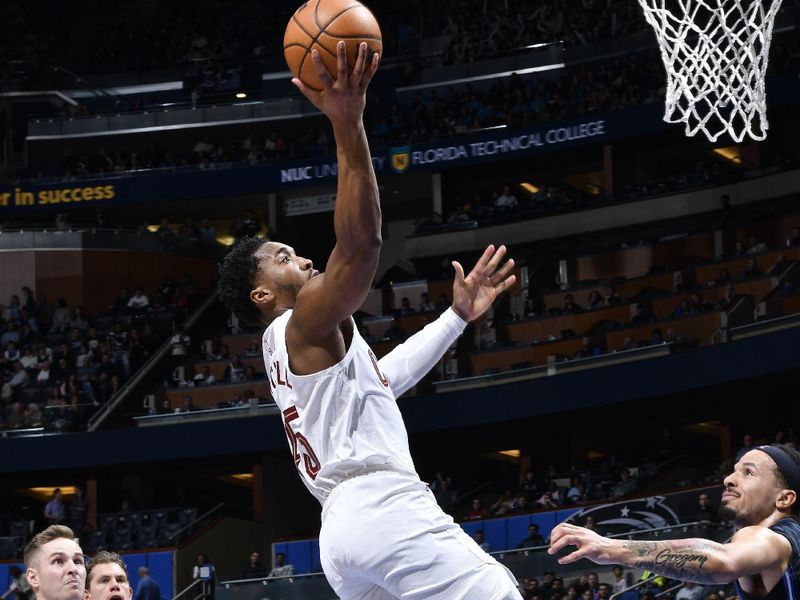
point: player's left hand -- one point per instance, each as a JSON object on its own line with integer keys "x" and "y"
{"x": 474, "y": 294}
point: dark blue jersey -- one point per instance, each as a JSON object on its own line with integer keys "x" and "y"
{"x": 787, "y": 588}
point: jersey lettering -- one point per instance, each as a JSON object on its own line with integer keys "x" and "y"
{"x": 275, "y": 369}
{"x": 381, "y": 376}
{"x": 296, "y": 441}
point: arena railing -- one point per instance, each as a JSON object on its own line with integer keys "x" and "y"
{"x": 141, "y": 375}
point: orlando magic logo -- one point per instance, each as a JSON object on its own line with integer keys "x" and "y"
{"x": 634, "y": 515}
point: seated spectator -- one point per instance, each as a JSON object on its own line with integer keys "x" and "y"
{"x": 641, "y": 315}
{"x": 139, "y": 302}
{"x": 443, "y": 303}
{"x": 19, "y": 378}
{"x": 506, "y": 199}
{"x": 697, "y": 304}
{"x": 595, "y": 300}
{"x": 253, "y": 351}
{"x": 44, "y": 377}
{"x": 394, "y": 332}
{"x": 620, "y": 581}
{"x": 690, "y": 591}
{"x": 234, "y": 372}
{"x": 705, "y": 510}
{"x": 751, "y": 270}
{"x": 529, "y": 486}
{"x": 281, "y": 569}
{"x": 613, "y": 296}
{"x": 739, "y": 249}
{"x": 250, "y": 373}
{"x": 728, "y": 298}
{"x": 682, "y": 283}
{"x": 188, "y": 405}
{"x": 504, "y": 504}
{"x": 682, "y": 309}
{"x": 569, "y": 304}
{"x": 426, "y": 305}
{"x": 480, "y": 539}
{"x": 204, "y": 377}
{"x": 723, "y": 277}
{"x": 754, "y": 246}
{"x": 530, "y": 588}
{"x": 534, "y": 538}
{"x": 61, "y": 317}
{"x": 656, "y": 337}
{"x": 444, "y": 495}
{"x": 405, "y": 307}
{"x": 476, "y": 511}
{"x": 547, "y": 501}
{"x": 587, "y": 349}
{"x": 33, "y": 415}
{"x": 591, "y": 523}
{"x": 794, "y": 240}
{"x": 577, "y": 492}
{"x": 78, "y": 320}
{"x": 16, "y": 416}
{"x": 779, "y": 265}
{"x": 254, "y": 567}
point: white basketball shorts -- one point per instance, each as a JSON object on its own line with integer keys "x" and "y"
{"x": 384, "y": 536}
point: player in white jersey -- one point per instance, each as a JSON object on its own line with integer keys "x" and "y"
{"x": 383, "y": 535}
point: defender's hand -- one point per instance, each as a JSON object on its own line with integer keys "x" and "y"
{"x": 474, "y": 294}
{"x": 342, "y": 99}
{"x": 589, "y": 544}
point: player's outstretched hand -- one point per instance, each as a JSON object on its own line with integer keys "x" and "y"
{"x": 474, "y": 294}
{"x": 589, "y": 544}
{"x": 342, "y": 98}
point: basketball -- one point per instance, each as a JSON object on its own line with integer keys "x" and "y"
{"x": 321, "y": 24}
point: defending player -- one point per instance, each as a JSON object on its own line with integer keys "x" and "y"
{"x": 55, "y": 564}
{"x": 107, "y": 578}
{"x": 383, "y": 535}
{"x": 763, "y": 556}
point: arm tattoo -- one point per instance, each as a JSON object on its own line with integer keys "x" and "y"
{"x": 674, "y": 559}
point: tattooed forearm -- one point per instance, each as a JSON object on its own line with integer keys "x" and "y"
{"x": 675, "y": 559}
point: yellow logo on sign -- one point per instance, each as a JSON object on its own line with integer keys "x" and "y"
{"x": 401, "y": 159}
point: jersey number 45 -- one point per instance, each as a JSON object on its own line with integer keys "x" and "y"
{"x": 300, "y": 444}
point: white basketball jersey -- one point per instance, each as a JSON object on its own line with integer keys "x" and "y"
{"x": 339, "y": 421}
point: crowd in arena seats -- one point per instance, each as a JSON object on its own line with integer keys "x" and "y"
{"x": 581, "y": 90}
{"x": 58, "y": 365}
{"x": 531, "y": 493}
{"x": 504, "y": 206}
{"x": 478, "y": 29}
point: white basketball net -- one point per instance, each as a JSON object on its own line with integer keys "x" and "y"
{"x": 715, "y": 53}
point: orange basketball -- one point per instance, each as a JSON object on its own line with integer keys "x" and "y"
{"x": 321, "y": 24}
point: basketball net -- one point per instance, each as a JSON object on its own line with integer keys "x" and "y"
{"x": 715, "y": 53}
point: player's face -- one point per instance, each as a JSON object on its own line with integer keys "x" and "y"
{"x": 283, "y": 272}
{"x": 751, "y": 490}
{"x": 58, "y": 571}
{"x": 109, "y": 582}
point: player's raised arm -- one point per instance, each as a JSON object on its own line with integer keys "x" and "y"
{"x": 335, "y": 295}
{"x": 409, "y": 362}
{"x": 752, "y": 550}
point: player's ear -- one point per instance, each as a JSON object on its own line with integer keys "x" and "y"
{"x": 263, "y": 298}
{"x": 33, "y": 578}
{"x": 786, "y": 499}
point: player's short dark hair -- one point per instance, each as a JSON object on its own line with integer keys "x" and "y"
{"x": 237, "y": 273}
{"x": 101, "y": 558}
{"x": 795, "y": 456}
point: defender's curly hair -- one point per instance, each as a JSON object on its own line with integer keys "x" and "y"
{"x": 237, "y": 273}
